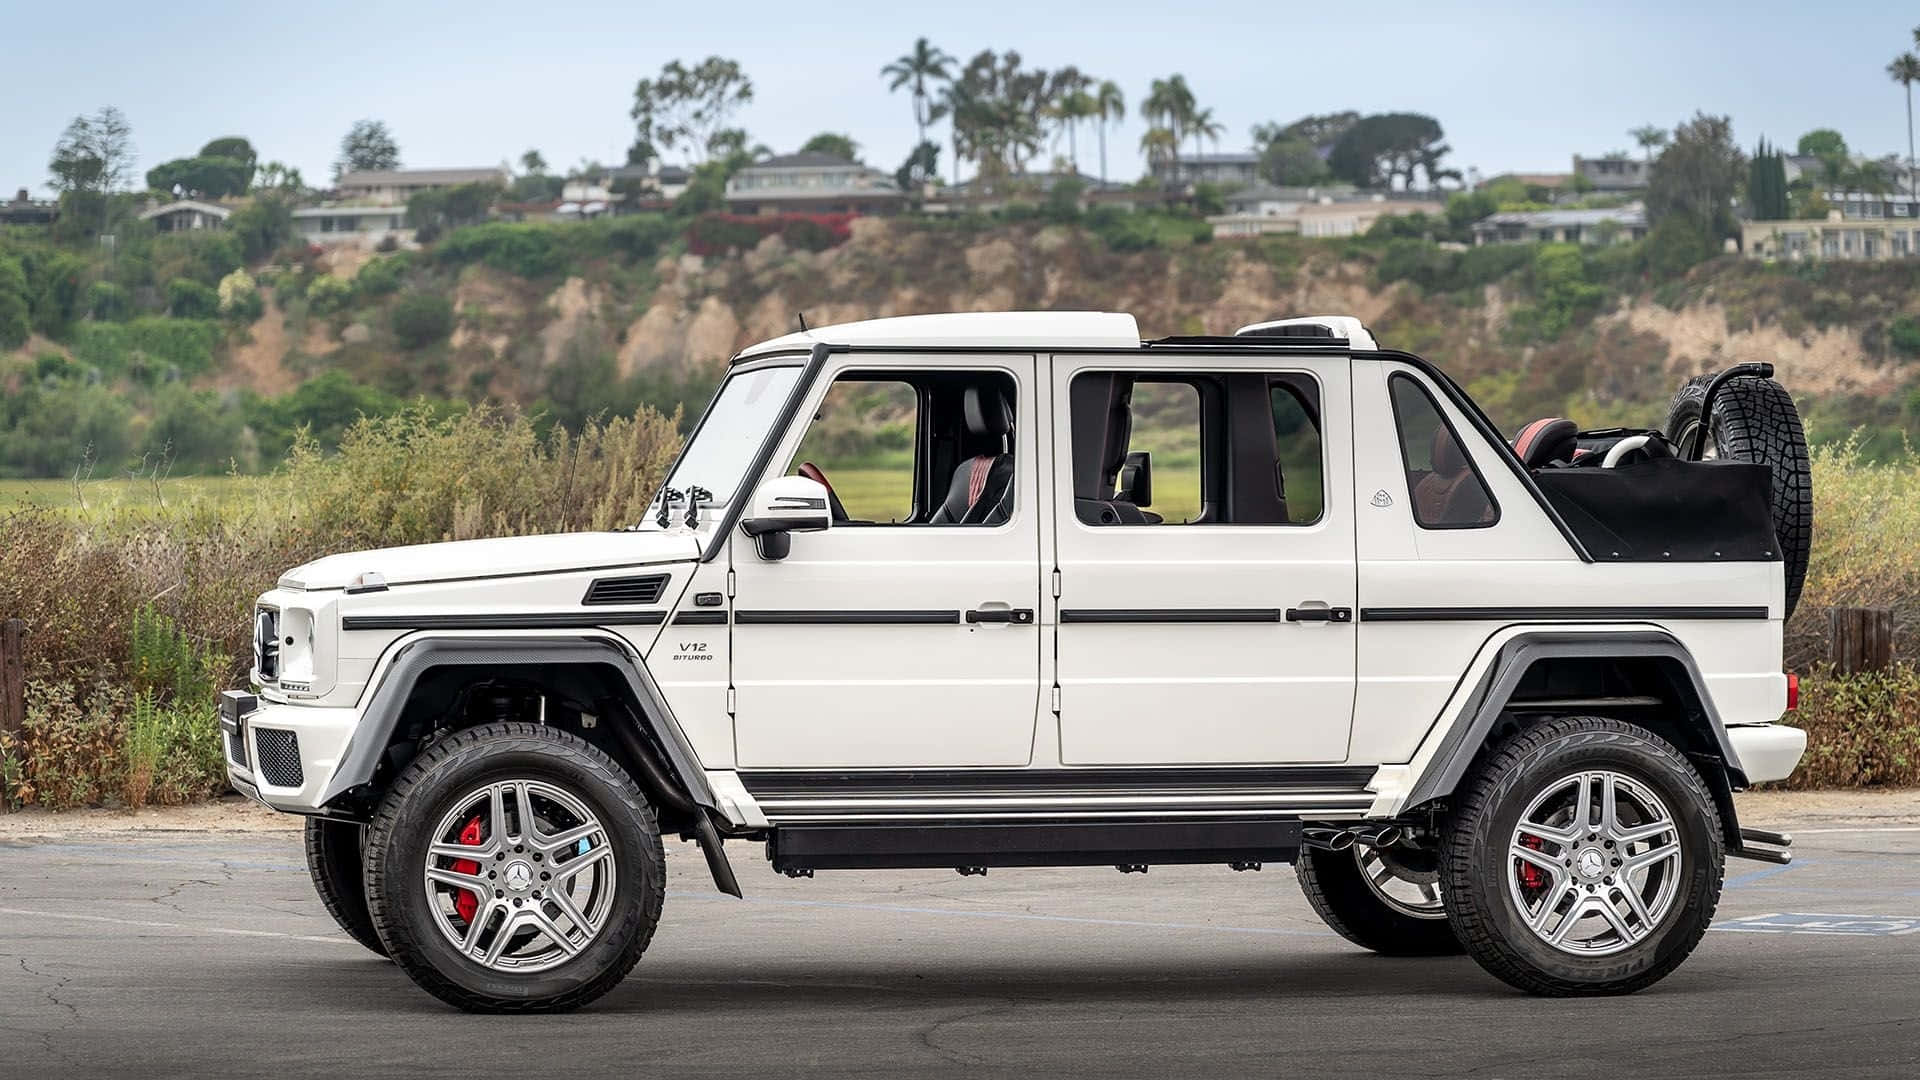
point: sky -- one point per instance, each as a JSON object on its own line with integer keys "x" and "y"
{"x": 1517, "y": 88}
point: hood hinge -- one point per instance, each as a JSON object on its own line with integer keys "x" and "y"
{"x": 1056, "y": 583}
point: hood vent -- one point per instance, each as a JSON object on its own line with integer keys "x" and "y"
{"x": 626, "y": 590}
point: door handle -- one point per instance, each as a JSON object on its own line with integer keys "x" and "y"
{"x": 1320, "y": 614}
{"x": 1019, "y": 616}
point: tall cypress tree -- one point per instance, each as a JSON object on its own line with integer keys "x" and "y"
{"x": 1767, "y": 184}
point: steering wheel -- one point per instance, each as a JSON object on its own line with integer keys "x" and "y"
{"x": 834, "y": 507}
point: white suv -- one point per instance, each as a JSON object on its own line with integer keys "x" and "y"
{"x": 1488, "y": 698}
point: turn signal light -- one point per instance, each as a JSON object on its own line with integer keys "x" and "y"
{"x": 1793, "y": 691}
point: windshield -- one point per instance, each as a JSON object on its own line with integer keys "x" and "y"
{"x": 722, "y": 448}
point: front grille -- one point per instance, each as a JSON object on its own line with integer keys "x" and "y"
{"x": 279, "y": 757}
{"x": 237, "y": 748}
{"x": 628, "y": 590}
{"x": 266, "y": 643}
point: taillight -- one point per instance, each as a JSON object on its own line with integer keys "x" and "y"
{"x": 1793, "y": 691}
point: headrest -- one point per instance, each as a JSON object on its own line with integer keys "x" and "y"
{"x": 986, "y": 412}
{"x": 1448, "y": 460}
{"x": 1543, "y": 441}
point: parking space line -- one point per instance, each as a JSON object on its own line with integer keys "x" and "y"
{"x": 157, "y": 924}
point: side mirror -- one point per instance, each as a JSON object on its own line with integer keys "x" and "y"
{"x": 1136, "y": 479}
{"x": 785, "y": 505}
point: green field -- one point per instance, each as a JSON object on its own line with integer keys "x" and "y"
{"x": 124, "y": 493}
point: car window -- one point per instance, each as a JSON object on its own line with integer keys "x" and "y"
{"x": 1220, "y": 447}
{"x": 1445, "y": 488}
{"x": 862, "y": 438}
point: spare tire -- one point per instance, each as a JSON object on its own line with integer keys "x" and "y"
{"x": 1755, "y": 420}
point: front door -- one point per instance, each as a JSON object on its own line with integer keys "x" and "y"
{"x": 1205, "y": 617}
{"x": 905, "y": 635}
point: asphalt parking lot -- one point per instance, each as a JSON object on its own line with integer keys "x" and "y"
{"x": 205, "y": 954}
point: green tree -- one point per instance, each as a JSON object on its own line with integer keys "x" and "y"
{"x": 1072, "y": 108}
{"x": 280, "y": 177}
{"x": 205, "y": 177}
{"x": 1379, "y": 149}
{"x": 919, "y": 169}
{"x": 1823, "y": 143}
{"x": 686, "y": 107}
{"x": 1292, "y": 163}
{"x": 532, "y": 163}
{"x": 1697, "y": 176}
{"x": 1201, "y": 124}
{"x": 1767, "y": 184}
{"x": 367, "y": 147}
{"x": 1110, "y": 105}
{"x": 1651, "y": 138}
{"x": 828, "y": 142}
{"x": 189, "y": 299}
{"x": 921, "y": 65}
{"x": 51, "y": 431}
{"x": 998, "y": 106}
{"x": 1905, "y": 70}
{"x": 16, "y": 319}
{"x": 263, "y": 226}
{"x": 233, "y": 147}
{"x": 1169, "y": 105}
{"x": 92, "y": 160}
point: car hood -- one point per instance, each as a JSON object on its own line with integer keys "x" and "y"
{"x": 506, "y": 557}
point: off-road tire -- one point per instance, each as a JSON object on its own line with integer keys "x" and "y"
{"x": 1755, "y": 420}
{"x": 1339, "y": 895}
{"x": 333, "y": 861}
{"x": 1473, "y": 867}
{"x": 400, "y": 832}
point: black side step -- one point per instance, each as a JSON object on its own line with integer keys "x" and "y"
{"x": 797, "y": 848}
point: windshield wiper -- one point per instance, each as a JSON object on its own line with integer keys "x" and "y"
{"x": 667, "y": 496}
{"x": 693, "y": 497}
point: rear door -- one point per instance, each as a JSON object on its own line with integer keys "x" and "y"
{"x": 1222, "y": 632}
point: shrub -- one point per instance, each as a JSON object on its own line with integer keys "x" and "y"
{"x": 109, "y": 302}
{"x": 382, "y": 276}
{"x": 421, "y": 318}
{"x": 15, "y": 318}
{"x": 1862, "y": 730}
{"x": 1904, "y": 335}
{"x": 188, "y": 299}
{"x": 529, "y": 251}
{"x": 715, "y": 234}
{"x": 327, "y": 294}
{"x": 239, "y": 299}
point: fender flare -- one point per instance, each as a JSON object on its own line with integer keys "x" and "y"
{"x": 1462, "y": 741}
{"x": 413, "y": 657}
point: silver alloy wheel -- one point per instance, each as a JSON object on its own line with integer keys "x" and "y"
{"x": 1410, "y": 892}
{"x": 1595, "y": 863}
{"x": 541, "y": 872}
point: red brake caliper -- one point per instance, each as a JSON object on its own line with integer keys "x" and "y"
{"x": 464, "y": 902}
{"x": 1531, "y": 876}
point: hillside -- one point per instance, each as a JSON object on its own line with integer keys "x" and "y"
{"x": 580, "y": 319}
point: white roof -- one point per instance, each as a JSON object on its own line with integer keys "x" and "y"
{"x": 178, "y": 205}
{"x": 986, "y": 329}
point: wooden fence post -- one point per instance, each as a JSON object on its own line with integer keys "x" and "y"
{"x": 13, "y": 682}
{"x": 1861, "y": 640}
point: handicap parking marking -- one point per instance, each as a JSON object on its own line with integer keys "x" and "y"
{"x": 1823, "y": 922}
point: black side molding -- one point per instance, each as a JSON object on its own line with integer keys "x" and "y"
{"x": 1170, "y": 615}
{"x": 1556, "y": 614}
{"x": 700, "y": 618}
{"x": 831, "y": 617}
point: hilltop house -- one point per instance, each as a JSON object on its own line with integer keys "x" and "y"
{"x": 812, "y": 182}
{"x": 185, "y": 215}
{"x": 28, "y": 211}
{"x": 1611, "y": 225}
{"x": 336, "y": 225}
{"x": 1232, "y": 169}
{"x": 1613, "y": 172}
{"x": 393, "y": 187}
{"x": 1338, "y": 211}
{"x": 649, "y": 183}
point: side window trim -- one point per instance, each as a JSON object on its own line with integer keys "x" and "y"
{"x": 1406, "y": 466}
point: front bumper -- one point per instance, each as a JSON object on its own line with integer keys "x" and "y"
{"x": 283, "y": 755}
{"x": 1767, "y": 751}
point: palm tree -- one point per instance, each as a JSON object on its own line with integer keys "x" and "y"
{"x": 1069, "y": 111}
{"x": 1201, "y": 124}
{"x": 1160, "y": 144}
{"x": 1905, "y": 70}
{"x": 1169, "y": 103}
{"x": 924, "y": 64}
{"x": 1109, "y": 104}
{"x": 1650, "y": 137}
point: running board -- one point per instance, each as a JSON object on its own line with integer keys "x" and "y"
{"x": 1763, "y": 846}
{"x": 801, "y": 849}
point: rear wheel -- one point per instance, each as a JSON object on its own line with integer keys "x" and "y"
{"x": 515, "y": 868}
{"x": 333, "y": 861}
{"x": 1384, "y": 899}
{"x": 1755, "y": 420}
{"x": 1585, "y": 857}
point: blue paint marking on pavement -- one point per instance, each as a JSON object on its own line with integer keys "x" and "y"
{"x": 1816, "y": 922}
{"x": 1761, "y": 875}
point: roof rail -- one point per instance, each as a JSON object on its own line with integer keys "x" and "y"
{"x": 1314, "y": 326}
{"x": 1311, "y": 343}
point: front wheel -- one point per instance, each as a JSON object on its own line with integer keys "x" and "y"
{"x": 515, "y": 868}
{"x": 1585, "y": 858}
